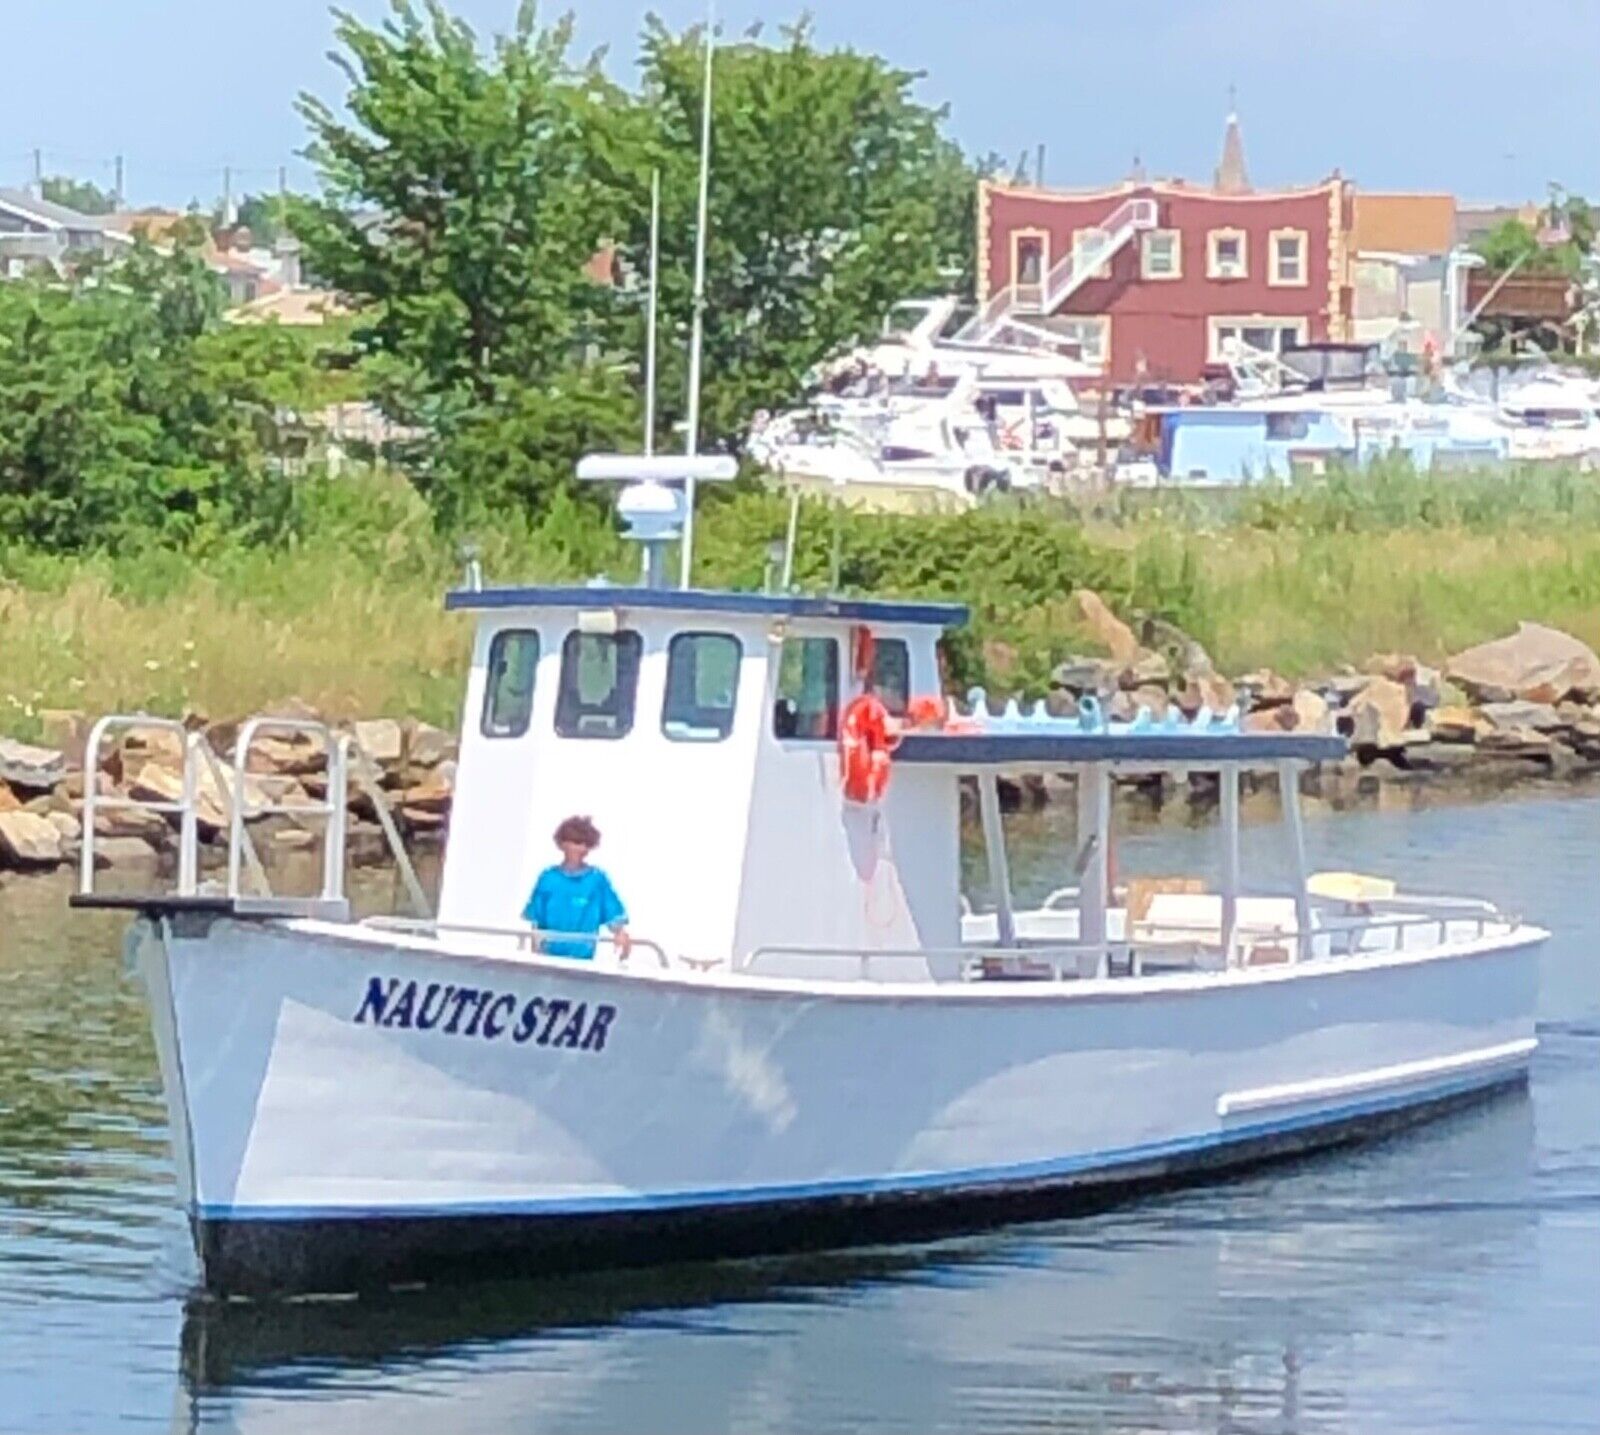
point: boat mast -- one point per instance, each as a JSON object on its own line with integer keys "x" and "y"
{"x": 697, "y": 328}
{"x": 650, "y": 329}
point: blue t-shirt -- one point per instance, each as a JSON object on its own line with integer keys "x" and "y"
{"x": 581, "y": 901}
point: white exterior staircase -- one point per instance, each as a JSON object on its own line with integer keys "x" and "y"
{"x": 1066, "y": 276}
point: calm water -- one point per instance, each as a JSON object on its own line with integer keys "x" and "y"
{"x": 1445, "y": 1280}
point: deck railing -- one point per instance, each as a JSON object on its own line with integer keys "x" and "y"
{"x": 1453, "y": 921}
{"x": 524, "y": 938}
{"x": 238, "y": 798}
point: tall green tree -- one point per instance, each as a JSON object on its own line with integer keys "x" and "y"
{"x": 468, "y": 189}
{"x": 834, "y": 193}
{"x": 130, "y": 411}
{"x": 80, "y": 194}
{"x": 465, "y": 190}
{"x": 262, "y": 215}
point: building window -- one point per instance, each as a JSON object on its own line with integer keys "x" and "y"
{"x": 1227, "y": 255}
{"x": 1091, "y": 333}
{"x": 807, "y": 704}
{"x": 599, "y": 676}
{"x": 1088, "y": 245}
{"x": 508, "y": 693}
{"x": 1161, "y": 254}
{"x": 1288, "y": 257}
{"x": 891, "y": 674}
{"x": 1030, "y": 256}
{"x": 1253, "y": 331}
{"x": 702, "y": 686}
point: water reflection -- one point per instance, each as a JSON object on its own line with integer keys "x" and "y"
{"x": 1188, "y": 1312}
{"x": 1447, "y": 1279}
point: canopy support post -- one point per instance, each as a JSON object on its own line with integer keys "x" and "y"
{"x": 1289, "y": 794}
{"x": 1229, "y": 776}
{"x": 994, "y": 843}
{"x": 1094, "y": 834}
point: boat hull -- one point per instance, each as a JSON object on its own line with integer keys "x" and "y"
{"x": 266, "y": 1257}
{"x": 337, "y": 1127}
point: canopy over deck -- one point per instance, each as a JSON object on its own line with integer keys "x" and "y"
{"x": 1155, "y": 748}
{"x": 703, "y": 600}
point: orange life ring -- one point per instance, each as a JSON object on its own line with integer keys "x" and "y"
{"x": 867, "y": 735}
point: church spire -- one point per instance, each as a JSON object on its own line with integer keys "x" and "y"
{"x": 1231, "y": 176}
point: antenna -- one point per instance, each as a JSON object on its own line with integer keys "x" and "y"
{"x": 650, "y": 331}
{"x": 655, "y": 514}
{"x": 697, "y": 330}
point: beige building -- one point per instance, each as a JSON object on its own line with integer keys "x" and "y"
{"x": 1406, "y": 286}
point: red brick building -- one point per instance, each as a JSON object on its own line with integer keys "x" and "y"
{"x": 1151, "y": 278}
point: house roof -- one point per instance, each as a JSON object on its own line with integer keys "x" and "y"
{"x": 1404, "y": 223}
{"x": 1475, "y": 219}
{"x": 156, "y": 225}
{"x": 47, "y": 213}
{"x": 295, "y": 307}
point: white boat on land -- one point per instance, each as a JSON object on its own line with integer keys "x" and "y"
{"x": 918, "y": 415}
{"x": 810, "y": 1042}
{"x": 1554, "y": 418}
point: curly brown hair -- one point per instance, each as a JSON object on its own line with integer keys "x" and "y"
{"x": 578, "y": 829}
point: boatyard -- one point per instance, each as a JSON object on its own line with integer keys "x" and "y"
{"x": 681, "y": 750}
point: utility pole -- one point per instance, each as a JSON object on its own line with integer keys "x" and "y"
{"x": 38, "y": 173}
{"x": 227, "y": 195}
{"x": 117, "y": 193}
{"x": 1038, "y": 168}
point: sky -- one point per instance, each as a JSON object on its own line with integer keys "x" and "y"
{"x": 1489, "y": 100}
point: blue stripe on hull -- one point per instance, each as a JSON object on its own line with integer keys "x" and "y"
{"x": 1099, "y": 1165}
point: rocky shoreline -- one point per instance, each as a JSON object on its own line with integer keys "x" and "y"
{"x": 1519, "y": 707}
{"x": 1523, "y": 707}
{"x": 42, "y": 792}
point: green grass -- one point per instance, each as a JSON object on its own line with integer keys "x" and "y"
{"x": 349, "y": 616}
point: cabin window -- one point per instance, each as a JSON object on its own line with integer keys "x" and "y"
{"x": 508, "y": 694}
{"x": 702, "y": 686}
{"x": 807, "y": 704}
{"x": 891, "y": 674}
{"x": 599, "y": 675}
{"x": 1283, "y": 426}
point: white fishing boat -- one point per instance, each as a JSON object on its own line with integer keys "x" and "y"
{"x": 811, "y": 1041}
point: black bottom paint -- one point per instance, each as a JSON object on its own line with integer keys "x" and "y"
{"x": 264, "y": 1257}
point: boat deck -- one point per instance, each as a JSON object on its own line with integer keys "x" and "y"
{"x": 1173, "y": 935}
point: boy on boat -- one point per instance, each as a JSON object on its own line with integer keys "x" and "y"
{"x": 573, "y": 897}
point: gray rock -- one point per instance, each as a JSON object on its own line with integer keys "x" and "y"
{"x": 382, "y": 738}
{"x": 28, "y": 840}
{"x": 428, "y": 746}
{"x": 35, "y": 768}
{"x": 1085, "y": 675}
{"x": 1439, "y": 756}
{"x": 125, "y": 854}
{"x": 1510, "y": 716}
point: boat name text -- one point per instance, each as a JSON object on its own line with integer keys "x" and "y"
{"x": 491, "y": 1015}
